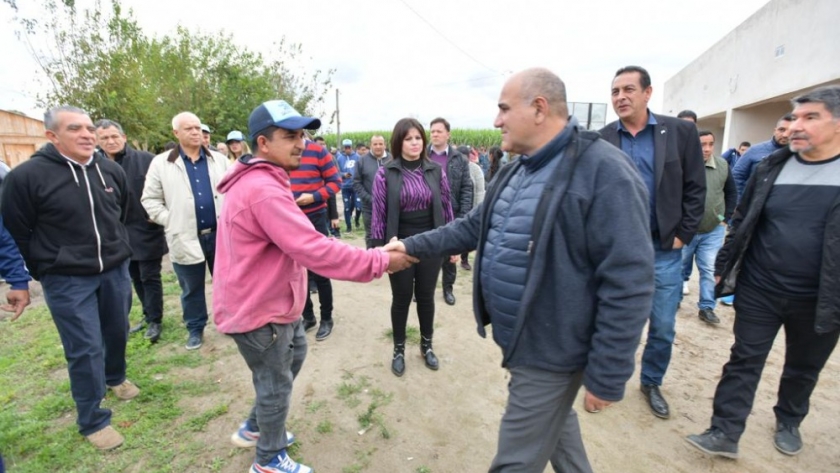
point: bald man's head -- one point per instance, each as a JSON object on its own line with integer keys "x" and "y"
{"x": 541, "y": 82}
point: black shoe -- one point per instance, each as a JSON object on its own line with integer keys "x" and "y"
{"x": 398, "y": 363}
{"x": 787, "y": 439}
{"x": 195, "y": 341}
{"x": 466, "y": 265}
{"x": 153, "y": 333}
{"x": 714, "y": 442}
{"x": 428, "y": 355}
{"x": 137, "y": 328}
{"x": 309, "y": 324}
{"x": 448, "y": 297}
{"x": 324, "y": 330}
{"x": 708, "y": 316}
{"x": 656, "y": 401}
{"x": 349, "y": 229}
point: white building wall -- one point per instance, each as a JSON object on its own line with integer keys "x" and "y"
{"x": 786, "y": 47}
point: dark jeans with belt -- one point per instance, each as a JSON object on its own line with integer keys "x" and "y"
{"x": 91, "y": 315}
{"x": 325, "y": 293}
{"x": 145, "y": 276}
{"x": 758, "y": 316}
{"x": 191, "y": 279}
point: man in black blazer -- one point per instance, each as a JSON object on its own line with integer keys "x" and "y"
{"x": 667, "y": 154}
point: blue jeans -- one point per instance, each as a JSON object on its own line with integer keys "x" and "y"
{"x": 663, "y": 315}
{"x": 350, "y": 203}
{"x": 704, "y": 248}
{"x": 274, "y": 353}
{"x": 91, "y": 315}
{"x": 191, "y": 279}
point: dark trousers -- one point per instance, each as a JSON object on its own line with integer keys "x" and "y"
{"x": 449, "y": 272}
{"x": 325, "y": 292}
{"x": 758, "y": 316}
{"x": 91, "y": 315}
{"x": 419, "y": 280}
{"x": 367, "y": 218}
{"x": 191, "y": 279}
{"x": 539, "y": 425}
{"x": 274, "y": 353}
{"x": 350, "y": 203}
{"x": 145, "y": 276}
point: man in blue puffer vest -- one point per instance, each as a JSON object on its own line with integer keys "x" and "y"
{"x": 560, "y": 273}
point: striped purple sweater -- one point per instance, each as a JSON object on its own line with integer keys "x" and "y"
{"x": 414, "y": 195}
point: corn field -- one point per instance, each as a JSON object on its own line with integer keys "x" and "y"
{"x": 486, "y": 138}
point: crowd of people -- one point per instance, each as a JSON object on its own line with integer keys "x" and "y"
{"x": 581, "y": 241}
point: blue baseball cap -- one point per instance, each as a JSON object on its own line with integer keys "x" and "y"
{"x": 347, "y": 142}
{"x": 279, "y": 113}
{"x": 235, "y": 135}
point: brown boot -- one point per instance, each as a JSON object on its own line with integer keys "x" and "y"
{"x": 125, "y": 391}
{"x": 106, "y": 439}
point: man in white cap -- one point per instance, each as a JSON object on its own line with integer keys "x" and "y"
{"x": 265, "y": 244}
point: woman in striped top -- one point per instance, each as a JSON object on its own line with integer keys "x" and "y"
{"x": 411, "y": 196}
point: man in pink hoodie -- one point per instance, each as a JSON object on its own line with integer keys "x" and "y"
{"x": 264, "y": 246}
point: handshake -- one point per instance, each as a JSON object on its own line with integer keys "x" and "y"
{"x": 398, "y": 260}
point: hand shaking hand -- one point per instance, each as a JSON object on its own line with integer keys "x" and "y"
{"x": 398, "y": 260}
{"x": 17, "y": 300}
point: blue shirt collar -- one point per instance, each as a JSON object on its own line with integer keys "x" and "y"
{"x": 201, "y": 154}
{"x": 651, "y": 121}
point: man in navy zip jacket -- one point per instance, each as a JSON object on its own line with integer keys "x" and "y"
{"x": 65, "y": 208}
{"x": 559, "y": 272}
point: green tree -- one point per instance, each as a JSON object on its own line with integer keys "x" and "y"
{"x": 100, "y": 59}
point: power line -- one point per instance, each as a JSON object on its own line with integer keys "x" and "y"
{"x": 449, "y": 40}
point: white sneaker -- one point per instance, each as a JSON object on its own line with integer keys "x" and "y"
{"x": 685, "y": 289}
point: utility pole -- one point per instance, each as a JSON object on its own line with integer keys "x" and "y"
{"x": 337, "y": 122}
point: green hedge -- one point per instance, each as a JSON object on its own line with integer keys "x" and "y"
{"x": 486, "y": 138}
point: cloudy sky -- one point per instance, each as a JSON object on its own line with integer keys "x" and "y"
{"x": 397, "y": 58}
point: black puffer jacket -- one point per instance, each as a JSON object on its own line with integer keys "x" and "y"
{"x": 743, "y": 224}
{"x": 67, "y": 218}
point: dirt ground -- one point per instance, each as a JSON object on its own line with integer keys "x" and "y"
{"x": 447, "y": 421}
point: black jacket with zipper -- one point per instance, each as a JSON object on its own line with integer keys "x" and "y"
{"x": 67, "y": 218}
{"x": 742, "y": 227}
{"x": 147, "y": 239}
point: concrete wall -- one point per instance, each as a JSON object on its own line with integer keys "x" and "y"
{"x": 786, "y": 47}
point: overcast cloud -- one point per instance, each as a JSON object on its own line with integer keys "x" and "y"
{"x": 431, "y": 58}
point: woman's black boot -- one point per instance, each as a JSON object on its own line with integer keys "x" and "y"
{"x": 398, "y": 363}
{"x": 428, "y": 355}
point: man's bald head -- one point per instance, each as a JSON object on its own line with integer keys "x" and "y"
{"x": 541, "y": 82}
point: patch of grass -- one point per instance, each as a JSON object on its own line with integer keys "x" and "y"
{"x": 315, "y": 406}
{"x": 37, "y": 414}
{"x": 412, "y": 335}
{"x": 324, "y": 427}
{"x": 423, "y": 469}
{"x": 349, "y": 389}
{"x": 199, "y": 423}
{"x": 362, "y": 461}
